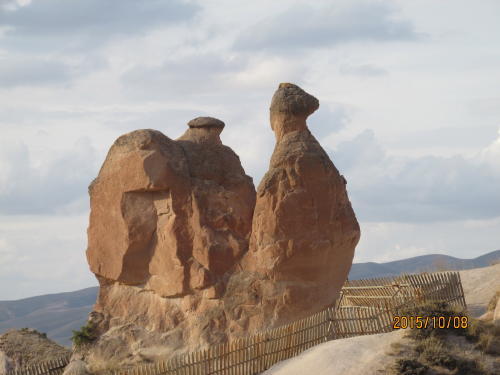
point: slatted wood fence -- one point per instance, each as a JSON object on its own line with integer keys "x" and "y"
{"x": 54, "y": 367}
{"x": 365, "y": 307}
{"x": 393, "y": 294}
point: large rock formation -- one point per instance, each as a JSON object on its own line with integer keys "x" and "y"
{"x": 182, "y": 259}
{"x": 170, "y": 216}
{"x": 304, "y": 230}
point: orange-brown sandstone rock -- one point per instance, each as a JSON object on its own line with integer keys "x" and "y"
{"x": 183, "y": 260}
{"x": 170, "y": 216}
{"x": 304, "y": 230}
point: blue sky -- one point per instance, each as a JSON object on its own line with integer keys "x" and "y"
{"x": 409, "y": 112}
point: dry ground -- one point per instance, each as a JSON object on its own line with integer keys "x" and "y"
{"x": 372, "y": 355}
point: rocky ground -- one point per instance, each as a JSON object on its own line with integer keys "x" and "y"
{"x": 27, "y": 347}
{"x": 378, "y": 354}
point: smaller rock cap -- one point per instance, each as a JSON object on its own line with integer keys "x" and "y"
{"x": 206, "y": 122}
{"x": 290, "y": 98}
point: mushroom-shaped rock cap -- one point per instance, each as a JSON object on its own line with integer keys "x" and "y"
{"x": 206, "y": 122}
{"x": 290, "y": 98}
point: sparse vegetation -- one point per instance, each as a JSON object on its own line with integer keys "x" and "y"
{"x": 34, "y": 331}
{"x": 432, "y": 350}
{"x": 434, "y": 309}
{"x": 27, "y": 347}
{"x": 410, "y": 367}
{"x": 84, "y": 336}
{"x": 458, "y": 351}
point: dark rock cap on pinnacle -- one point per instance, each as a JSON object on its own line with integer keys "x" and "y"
{"x": 206, "y": 122}
{"x": 290, "y": 98}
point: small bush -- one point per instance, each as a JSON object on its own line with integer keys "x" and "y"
{"x": 33, "y": 331}
{"x": 474, "y": 330}
{"x": 489, "y": 343}
{"x": 410, "y": 367}
{"x": 485, "y": 334}
{"x": 433, "y": 351}
{"x": 84, "y": 336}
{"x": 470, "y": 367}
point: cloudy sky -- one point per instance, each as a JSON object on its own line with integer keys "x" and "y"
{"x": 410, "y": 112}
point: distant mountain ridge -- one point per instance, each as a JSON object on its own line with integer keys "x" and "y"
{"x": 429, "y": 263}
{"x": 55, "y": 314}
{"x": 58, "y": 314}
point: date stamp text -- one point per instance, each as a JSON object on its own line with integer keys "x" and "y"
{"x": 424, "y": 322}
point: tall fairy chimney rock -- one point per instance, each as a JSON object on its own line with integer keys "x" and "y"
{"x": 188, "y": 254}
{"x": 304, "y": 230}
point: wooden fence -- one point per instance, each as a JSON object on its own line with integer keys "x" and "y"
{"x": 54, "y": 367}
{"x": 365, "y": 307}
{"x": 394, "y": 293}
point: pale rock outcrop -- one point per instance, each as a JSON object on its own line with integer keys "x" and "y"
{"x": 187, "y": 254}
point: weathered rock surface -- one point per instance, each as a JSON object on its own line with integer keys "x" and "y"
{"x": 76, "y": 367}
{"x": 6, "y": 364}
{"x": 183, "y": 260}
{"x": 169, "y": 219}
{"x": 170, "y": 216}
{"x": 304, "y": 230}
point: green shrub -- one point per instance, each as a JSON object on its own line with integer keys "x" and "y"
{"x": 84, "y": 336}
{"x": 33, "y": 331}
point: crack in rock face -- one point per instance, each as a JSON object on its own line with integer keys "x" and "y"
{"x": 189, "y": 254}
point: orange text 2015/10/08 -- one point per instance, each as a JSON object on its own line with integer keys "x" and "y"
{"x": 423, "y": 322}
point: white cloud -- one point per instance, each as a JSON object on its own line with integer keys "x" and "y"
{"x": 98, "y": 18}
{"x": 29, "y": 186}
{"x": 42, "y": 254}
{"x": 388, "y": 241}
{"x": 418, "y": 189}
{"x": 32, "y": 72}
{"x": 365, "y": 70}
{"x": 303, "y": 27}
